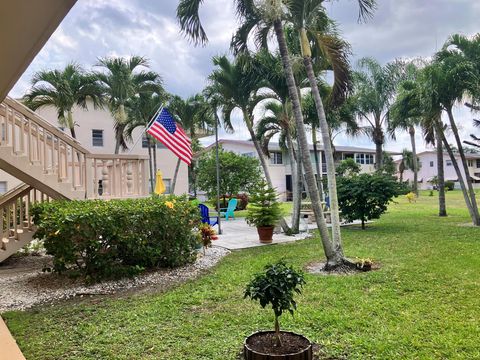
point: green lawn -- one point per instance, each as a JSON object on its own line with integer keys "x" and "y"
{"x": 423, "y": 303}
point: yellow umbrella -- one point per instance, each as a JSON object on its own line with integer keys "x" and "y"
{"x": 159, "y": 185}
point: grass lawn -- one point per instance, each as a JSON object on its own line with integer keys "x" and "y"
{"x": 285, "y": 206}
{"x": 423, "y": 303}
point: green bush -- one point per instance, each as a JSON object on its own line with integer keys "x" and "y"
{"x": 449, "y": 185}
{"x": 109, "y": 239}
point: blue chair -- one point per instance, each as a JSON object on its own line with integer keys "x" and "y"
{"x": 229, "y": 211}
{"x": 206, "y": 218}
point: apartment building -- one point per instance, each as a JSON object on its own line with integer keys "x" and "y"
{"x": 279, "y": 161}
{"x": 428, "y": 169}
{"x": 95, "y": 131}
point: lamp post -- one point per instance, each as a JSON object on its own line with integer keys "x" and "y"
{"x": 218, "y": 173}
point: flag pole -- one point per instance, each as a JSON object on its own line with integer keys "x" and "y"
{"x": 160, "y": 108}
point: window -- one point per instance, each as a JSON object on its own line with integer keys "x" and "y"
{"x": 478, "y": 163}
{"x": 97, "y": 137}
{"x": 431, "y": 163}
{"x": 3, "y": 132}
{"x": 168, "y": 186}
{"x": 449, "y": 162}
{"x": 470, "y": 163}
{"x": 364, "y": 159}
{"x": 276, "y": 158}
{"x": 249, "y": 154}
{"x": 3, "y": 187}
{"x": 144, "y": 141}
{"x": 160, "y": 146}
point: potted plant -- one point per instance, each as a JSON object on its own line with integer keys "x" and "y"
{"x": 263, "y": 211}
{"x": 276, "y": 286}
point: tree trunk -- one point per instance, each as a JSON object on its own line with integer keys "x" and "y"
{"x": 295, "y": 197}
{"x": 277, "y": 332}
{"x": 150, "y": 163}
{"x": 327, "y": 149}
{"x": 71, "y": 124}
{"x": 174, "y": 181}
{"x": 317, "y": 162}
{"x": 378, "y": 139}
{"x": 263, "y": 161}
{"x": 442, "y": 208}
{"x": 411, "y": 131}
{"x": 460, "y": 177}
{"x": 471, "y": 191}
{"x": 334, "y": 256}
{"x": 401, "y": 176}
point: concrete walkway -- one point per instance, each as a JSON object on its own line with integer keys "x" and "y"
{"x": 237, "y": 234}
{"x": 8, "y": 346}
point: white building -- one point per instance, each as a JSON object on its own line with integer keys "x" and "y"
{"x": 279, "y": 162}
{"x": 95, "y": 132}
{"x": 428, "y": 169}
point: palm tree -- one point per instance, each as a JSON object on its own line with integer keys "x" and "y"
{"x": 121, "y": 81}
{"x": 63, "y": 90}
{"x": 475, "y": 142}
{"x": 400, "y": 116}
{"x": 262, "y": 17}
{"x": 140, "y": 110}
{"x": 193, "y": 114}
{"x": 406, "y": 162}
{"x": 375, "y": 87}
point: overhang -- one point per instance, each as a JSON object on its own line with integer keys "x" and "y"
{"x": 25, "y": 27}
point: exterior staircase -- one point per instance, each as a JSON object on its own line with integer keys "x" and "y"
{"x": 53, "y": 165}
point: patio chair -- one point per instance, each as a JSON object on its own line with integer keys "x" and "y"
{"x": 229, "y": 210}
{"x": 206, "y": 218}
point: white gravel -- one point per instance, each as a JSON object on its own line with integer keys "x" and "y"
{"x": 23, "y": 284}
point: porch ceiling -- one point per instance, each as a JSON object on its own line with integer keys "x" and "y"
{"x": 25, "y": 27}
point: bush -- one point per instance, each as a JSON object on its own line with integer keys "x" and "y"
{"x": 109, "y": 239}
{"x": 449, "y": 185}
{"x": 242, "y": 201}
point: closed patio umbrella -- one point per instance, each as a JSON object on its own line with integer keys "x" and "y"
{"x": 159, "y": 185}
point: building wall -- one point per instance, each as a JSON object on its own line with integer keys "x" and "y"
{"x": 428, "y": 170}
{"x": 100, "y": 119}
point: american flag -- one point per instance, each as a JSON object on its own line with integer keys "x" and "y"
{"x": 170, "y": 134}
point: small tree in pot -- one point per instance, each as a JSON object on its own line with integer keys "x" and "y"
{"x": 276, "y": 286}
{"x": 263, "y": 211}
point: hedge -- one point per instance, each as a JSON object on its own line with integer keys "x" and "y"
{"x": 109, "y": 239}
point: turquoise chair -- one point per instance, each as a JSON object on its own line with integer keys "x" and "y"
{"x": 229, "y": 211}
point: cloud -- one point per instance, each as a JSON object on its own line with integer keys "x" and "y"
{"x": 95, "y": 28}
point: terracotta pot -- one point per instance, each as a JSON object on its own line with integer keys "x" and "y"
{"x": 250, "y": 354}
{"x": 265, "y": 234}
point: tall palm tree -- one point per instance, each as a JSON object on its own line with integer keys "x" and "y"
{"x": 406, "y": 162}
{"x": 375, "y": 87}
{"x": 193, "y": 114}
{"x": 63, "y": 89}
{"x": 260, "y": 17}
{"x": 122, "y": 79}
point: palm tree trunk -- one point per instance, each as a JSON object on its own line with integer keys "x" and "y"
{"x": 442, "y": 207}
{"x": 263, "y": 162}
{"x": 471, "y": 191}
{"x": 150, "y": 162}
{"x": 295, "y": 197}
{"x": 327, "y": 148}
{"x": 71, "y": 124}
{"x": 175, "y": 175}
{"x": 378, "y": 139}
{"x": 460, "y": 177}
{"x": 334, "y": 257}
{"x": 317, "y": 162}
{"x": 411, "y": 131}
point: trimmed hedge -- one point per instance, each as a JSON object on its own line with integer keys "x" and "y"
{"x": 109, "y": 239}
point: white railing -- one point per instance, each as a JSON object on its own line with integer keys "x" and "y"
{"x": 100, "y": 176}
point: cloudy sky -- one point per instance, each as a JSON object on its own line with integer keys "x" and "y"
{"x": 94, "y": 28}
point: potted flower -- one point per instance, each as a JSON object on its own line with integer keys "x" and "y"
{"x": 276, "y": 286}
{"x": 263, "y": 211}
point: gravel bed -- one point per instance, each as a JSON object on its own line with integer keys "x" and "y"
{"x": 23, "y": 284}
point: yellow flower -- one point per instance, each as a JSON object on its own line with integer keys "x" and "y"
{"x": 169, "y": 204}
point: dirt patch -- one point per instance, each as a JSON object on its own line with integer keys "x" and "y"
{"x": 318, "y": 267}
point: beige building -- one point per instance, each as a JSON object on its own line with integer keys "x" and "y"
{"x": 95, "y": 132}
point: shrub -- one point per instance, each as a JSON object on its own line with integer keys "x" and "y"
{"x": 365, "y": 196}
{"x": 242, "y": 201}
{"x": 108, "y": 239}
{"x": 449, "y": 185}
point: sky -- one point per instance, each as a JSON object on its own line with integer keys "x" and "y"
{"x": 97, "y": 28}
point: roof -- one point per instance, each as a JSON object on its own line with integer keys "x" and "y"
{"x": 275, "y": 146}
{"x": 467, "y": 155}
